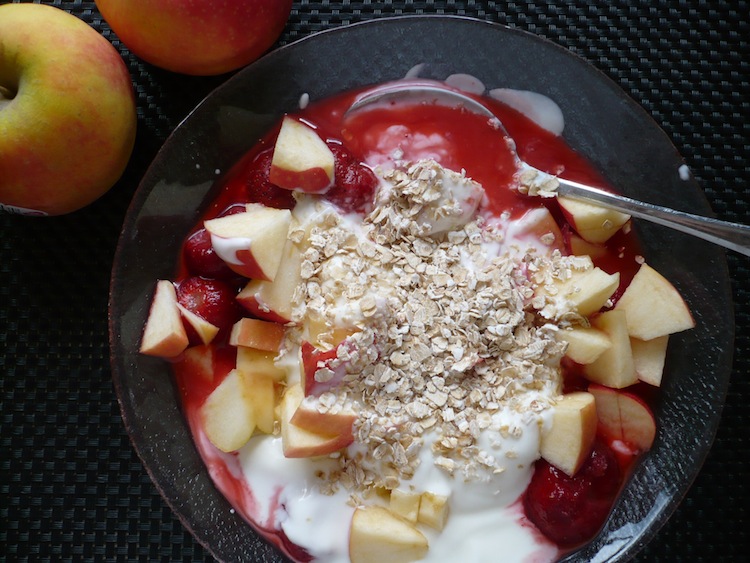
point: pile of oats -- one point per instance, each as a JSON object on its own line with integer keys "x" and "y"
{"x": 443, "y": 334}
{"x": 534, "y": 183}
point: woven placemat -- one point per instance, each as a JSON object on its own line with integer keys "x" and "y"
{"x": 71, "y": 486}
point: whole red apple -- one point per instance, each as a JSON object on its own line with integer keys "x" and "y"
{"x": 67, "y": 111}
{"x": 198, "y": 37}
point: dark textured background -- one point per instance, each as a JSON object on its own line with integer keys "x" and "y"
{"x": 71, "y": 486}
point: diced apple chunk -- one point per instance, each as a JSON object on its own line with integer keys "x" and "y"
{"x": 649, "y": 357}
{"x": 584, "y": 288}
{"x": 405, "y": 504}
{"x": 653, "y": 306}
{"x": 378, "y": 536}
{"x": 299, "y": 442}
{"x": 589, "y": 291}
{"x": 567, "y": 442}
{"x": 164, "y": 334}
{"x": 592, "y": 222}
{"x": 301, "y": 159}
{"x": 624, "y": 417}
{"x": 614, "y": 367}
{"x": 581, "y": 247}
{"x": 258, "y": 361}
{"x": 585, "y": 344}
{"x": 272, "y": 301}
{"x": 433, "y": 510}
{"x": 313, "y": 359}
{"x": 320, "y": 334}
{"x": 205, "y": 330}
{"x": 254, "y": 333}
{"x": 228, "y": 414}
{"x": 199, "y": 361}
{"x": 262, "y": 392}
{"x": 251, "y": 243}
{"x": 337, "y": 421}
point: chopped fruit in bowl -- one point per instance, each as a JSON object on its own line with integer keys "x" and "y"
{"x": 385, "y": 349}
{"x": 211, "y": 300}
{"x": 202, "y": 260}
{"x": 571, "y": 509}
{"x": 405, "y": 343}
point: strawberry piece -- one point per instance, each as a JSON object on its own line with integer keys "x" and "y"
{"x": 212, "y": 300}
{"x": 259, "y": 187}
{"x": 570, "y": 510}
{"x": 354, "y": 182}
{"x": 202, "y": 260}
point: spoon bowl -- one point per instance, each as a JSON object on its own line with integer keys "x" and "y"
{"x": 734, "y": 236}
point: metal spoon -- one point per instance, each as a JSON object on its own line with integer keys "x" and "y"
{"x": 733, "y": 236}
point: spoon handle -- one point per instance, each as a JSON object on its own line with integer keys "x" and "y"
{"x": 733, "y": 236}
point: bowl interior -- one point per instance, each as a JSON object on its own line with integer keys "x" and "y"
{"x": 613, "y": 132}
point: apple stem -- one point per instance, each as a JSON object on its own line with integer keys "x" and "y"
{"x": 6, "y": 93}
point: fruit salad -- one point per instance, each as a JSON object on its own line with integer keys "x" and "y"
{"x": 391, "y": 347}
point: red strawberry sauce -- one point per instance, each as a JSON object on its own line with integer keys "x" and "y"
{"x": 568, "y": 511}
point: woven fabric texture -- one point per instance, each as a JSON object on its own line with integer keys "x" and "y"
{"x": 71, "y": 486}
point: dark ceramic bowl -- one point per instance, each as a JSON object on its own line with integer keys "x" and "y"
{"x": 616, "y": 135}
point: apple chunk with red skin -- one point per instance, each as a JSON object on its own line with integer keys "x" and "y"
{"x": 624, "y": 416}
{"x": 377, "y": 535}
{"x": 335, "y": 422}
{"x": 203, "y": 331}
{"x": 164, "y": 334}
{"x": 314, "y": 359}
{"x": 300, "y": 442}
{"x": 566, "y": 443}
{"x": 251, "y": 242}
{"x": 272, "y": 300}
{"x": 653, "y": 306}
{"x": 301, "y": 159}
{"x": 199, "y": 37}
{"x": 67, "y": 111}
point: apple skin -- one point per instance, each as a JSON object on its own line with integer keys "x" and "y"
{"x": 300, "y": 442}
{"x": 312, "y": 359}
{"x": 339, "y": 423}
{"x": 200, "y": 37}
{"x": 68, "y": 117}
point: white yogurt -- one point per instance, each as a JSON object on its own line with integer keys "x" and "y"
{"x": 484, "y": 517}
{"x": 684, "y": 172}
{"x": 537, "y": 107}
{"x": 288, "y": 498}
{"x": 227, "y": 248}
